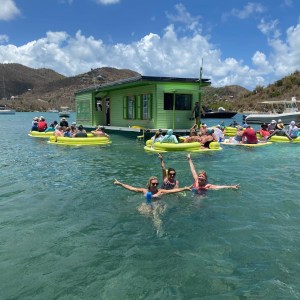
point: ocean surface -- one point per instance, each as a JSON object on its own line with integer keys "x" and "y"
{"x": 67, "y": 232}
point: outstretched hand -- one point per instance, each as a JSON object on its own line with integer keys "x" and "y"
{"x": 117, "y": 182}
{"x": 160, "y": 156}
{"x": 236, "y": 187}
{"x": 188, "y": 157}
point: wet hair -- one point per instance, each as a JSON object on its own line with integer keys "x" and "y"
{"x": 80, "y": 127}
{"x": 150, "y": 180}
{"x": 169, "y": 170}
{"x": 202, "y": 172}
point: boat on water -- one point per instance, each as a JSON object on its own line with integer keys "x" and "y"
{"x": 53, "y": 110}
{"x": 286, "y": 110}
{"x": 221, "y": 113}
{"x": 64, "y": 112}
{"x": 6, "y": 111}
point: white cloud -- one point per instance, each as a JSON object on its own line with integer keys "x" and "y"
{"x": 184, "y": 17}
{"x": 269, "y": 28}
{"x": 107, "y": 2}
{"x": 8, "y": 10}
{"x": 250, "y": 9}
{"x": 161, "y": 55}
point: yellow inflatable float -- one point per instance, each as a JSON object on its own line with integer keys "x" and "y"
{"x": 191, "y": 147}
{"x": 227, "y": 142}
{"x": 47, "y": 135}
{"x": 78, "y": 141}
{"x": 283, "y": 139}
{"x": 38, "y": 134}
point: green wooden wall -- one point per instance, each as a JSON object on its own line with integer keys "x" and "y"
{"x": 87, "y": 115}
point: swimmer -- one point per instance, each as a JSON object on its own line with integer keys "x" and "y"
{"x": 200, "y": 180}
{"x": 169, "y": 181}
{"x": 152, "y": 185}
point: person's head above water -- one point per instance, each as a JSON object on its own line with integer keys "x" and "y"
{"x": 152, "y": 183}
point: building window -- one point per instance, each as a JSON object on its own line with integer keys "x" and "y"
{"x": 146, "y": 106}
{"x": 129, "y": 107}
{"x": 182, "y": 101}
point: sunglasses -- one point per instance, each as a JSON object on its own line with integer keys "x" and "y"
{"x": 154, "y": 183}
{"x": 172, "y": 174}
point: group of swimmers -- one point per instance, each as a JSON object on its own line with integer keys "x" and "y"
{"x": 170, "y": 185}
{"x": 63, "y": 129}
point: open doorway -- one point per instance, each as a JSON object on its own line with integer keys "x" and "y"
{"x": 107, "y": 114}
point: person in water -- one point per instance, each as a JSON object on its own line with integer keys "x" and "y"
{"x": 152, "y": 187}
{"x": 200, "y": 180}
{"x": 169, "y": 181}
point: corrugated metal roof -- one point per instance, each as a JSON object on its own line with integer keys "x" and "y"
{"x": 140, "y": 78}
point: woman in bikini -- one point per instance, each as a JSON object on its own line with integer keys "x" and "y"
{"x": 200, "y": 180}
{"x": 169, "y": 181}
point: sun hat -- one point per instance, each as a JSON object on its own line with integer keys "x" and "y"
{"x": 292, "y": 123}
{"x": 74, "y": 123}
{"x": 279, "y": 120}
{"x": 280, "y": 126}
{"x": 273, "y": 122}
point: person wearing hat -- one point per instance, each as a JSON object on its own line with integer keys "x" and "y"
{"x": 293, "y": 130}
{"x": 280, "y": 131}
{"x": 169, "y": 137}
{"x": 73, "y": 128}
{"x": 203, "y": 129}
{"x": 64, "y": 122}
{"x": 263, "y": 132}
{"x": 271, "y": 126}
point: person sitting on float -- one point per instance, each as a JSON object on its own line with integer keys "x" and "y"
{"x": 280, "y": 131}
{"x": 64, "y": 122}
{"x": 169, "y": 137}
{"x": 293, "y": 130}
{"x": 99, "y": 132}
{"x": 263, "y": 132}
{"x": 67, "y": 132}
{"x": 208, "y": 138}
{"x": 203, "y": 129}
{"x": 249, "y": 136}
{"x": 157, "y": 136}
{"x": 168, "y": 175}
{"x": 81, "y": 132}
{"x": 34, "y": 126}
{"x": 219, "y": 134}
{"x": 238, "y": 138}
{"x": 42, "y": 124}
{"x": 73, "y": 128}
{"x": 200, "y": 180}
{"x": 152, "y": 187}
{"x": 51, "y": 128}
{"x": 58, "y": 131}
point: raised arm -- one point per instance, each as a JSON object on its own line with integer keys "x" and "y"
{"x": 192, "y": 167}
{"x": 163, "y": 167}
{"x": 129, "y": 187}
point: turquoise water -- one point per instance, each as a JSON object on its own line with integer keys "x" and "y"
{"x": 67, "y": 232}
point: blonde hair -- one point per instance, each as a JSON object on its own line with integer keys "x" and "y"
{"x": 202, "y": 172}
{"x": 150, "y": 179}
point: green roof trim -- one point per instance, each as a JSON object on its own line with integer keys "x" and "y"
{"x": 140, "y": 80}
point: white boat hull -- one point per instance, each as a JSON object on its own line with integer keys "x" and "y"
{"x": 286, "y": 118}
{"x": 7, "y": 112}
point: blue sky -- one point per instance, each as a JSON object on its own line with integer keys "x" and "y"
{"x": 240, "y": 42}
